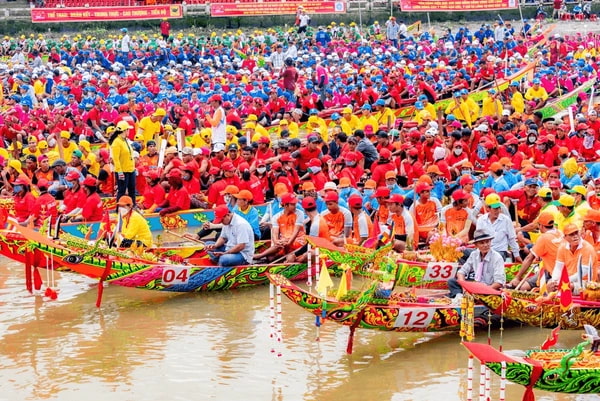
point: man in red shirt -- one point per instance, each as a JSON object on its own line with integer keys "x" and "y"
{"x": 305, "y": 154}
{"x": 165, "y": 29}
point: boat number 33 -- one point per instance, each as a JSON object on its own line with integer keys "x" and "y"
{"x": 437, "y": 271}
{"x": 175, "y": 275}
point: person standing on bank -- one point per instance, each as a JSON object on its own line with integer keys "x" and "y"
{"x": 484, "y": 265}
{"x": 165, "y": 29}
{"x": 217, "y": 122}
{"x": 122, "y": 156}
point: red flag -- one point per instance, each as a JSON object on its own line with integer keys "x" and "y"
{"x": 552, "y": 339}
{"x": 564, "y": 287}
{"x": 37, "y": 279}
{"x": 348, "y": 274}
{"x": 105, "y": 224}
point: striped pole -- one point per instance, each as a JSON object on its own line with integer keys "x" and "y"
{"x": 503, "y": 381}
{"x": 317, "y": 263}
{"x": 279, "y": 322}
{"x": 488, "y": 383}
{"x": 470, "y": 378}
{"x": 272, "y": 312}
{"x": 309, "y": 266}
{"x": 482, "y": 382}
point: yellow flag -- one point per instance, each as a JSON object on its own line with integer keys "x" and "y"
{"x": 343, "y": 288}
{"x": 324, "y": 281}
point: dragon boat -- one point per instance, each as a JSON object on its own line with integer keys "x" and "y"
{"x": 561, "y": 103}
{"x": 574, "y": 371}
{"x": 138, "y": 271}
{"x": 430, "y": 274}
{"x": 531, "y": 309}
{"x": 421, "y": 311}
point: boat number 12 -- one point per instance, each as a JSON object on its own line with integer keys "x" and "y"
{"x": 440, "y": 271}
{"x": 414, "y": 317}
{"x": 175, "y": 275}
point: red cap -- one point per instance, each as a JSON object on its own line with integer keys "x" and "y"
{"x": 227, "y": 166}
{"x": 385, "y": 153}
{"x": 43, "y": 183}
{"x": 466, "y": 180}
{"x": 396, "y": 198}
{"x": 350, "y": 156}
{"x": 288, "y": 198}
{"x": 276, "y": 166}
{"x": 382, "y": 192}
{"x": 487, "y": 191}
{"x": 355, "y": 201}
{"x": 314, "y": 163}
{"x": 286, "y": 157}
{"x": 554, "y": 184}
{"x": 72, "y": 175}
{"x": 422, "y": 187}
{"x": 99, "y": 101}
{"x": 459, "y": 194}
{"x": 331, "y": 196}
{"x": 309, "y": 202}
{"x": 174, "y": 173}
{"x": 91, "y": 181}
{"x": 220, "y": 212}
{"x": 215, "y": 98}
{"x": 152, "y": 174}
{"x": 264, "y": 139}
{"x": 413, "y": 152}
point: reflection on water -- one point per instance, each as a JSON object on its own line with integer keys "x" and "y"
{"x": 144, "y": 345}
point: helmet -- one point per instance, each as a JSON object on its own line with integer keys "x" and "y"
{"x": 289, "y": 61}
{"x": 123, "y": 126}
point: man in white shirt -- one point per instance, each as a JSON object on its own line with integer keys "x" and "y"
{"x": 125, "y": 41}
{"x": 235, "y": 245}
{"x": 496, "y": 222}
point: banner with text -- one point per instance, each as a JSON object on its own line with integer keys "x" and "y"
{"x": 456, "y": 5}
{"x": 85, "y": 14}
{"x": 278, "y": 8}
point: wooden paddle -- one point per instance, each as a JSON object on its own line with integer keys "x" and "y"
{"x": 185, "y": 237}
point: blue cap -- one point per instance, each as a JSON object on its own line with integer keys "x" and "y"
{"x": 313, "y": 112}
{"x": 366, "y": 106}
{"x": 532, "y": 181}
{"x": 464, "y": 92}
{"x": 492, "y": 91}
{"x": 380, "y": 102}
{"x": 422, "y": 97}
{"x": 419, "y": 105}
{"x": 335, "y": 116}
{"x": 514, "y": 83}
{"x": 450, "y": 117}
{"x": 536, "y": 81}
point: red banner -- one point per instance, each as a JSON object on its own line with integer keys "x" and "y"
{"x": 276, "y": 8}
{"x": 85, "y": 14}
{"x": 457, "y": 5}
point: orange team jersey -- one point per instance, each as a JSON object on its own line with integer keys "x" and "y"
{"x": 286, "y": 223}
{"x": 570, "y": 260}
{"x": 546, "y": 248}
{"x": 399, "y": 224}
{"x": 319, "y": 228}
{"x": 426, "y": 215}
{"x": 456, "y": 219}
{"x": 383, "y": 213}
{"x": 336, "y": 222}
{"x": 589, "y": 237}
{"x": 362, "y": 227}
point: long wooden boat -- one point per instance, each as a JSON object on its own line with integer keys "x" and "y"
{"x": 430, "y": 275}
{"x": 400, "y": 314}
{"x": 574, "y": 371}
{"x": 526, "y": 308}
{"x": 563, "y": 102}
{"x": 38, "y": 251}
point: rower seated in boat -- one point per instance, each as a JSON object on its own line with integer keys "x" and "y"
{"x": 235, "y": 245}
{"x": 483, "y": 265}
{"x": 134, "y": 228}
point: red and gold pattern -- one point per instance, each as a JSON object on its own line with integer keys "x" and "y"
{"x": 171, "y": 222}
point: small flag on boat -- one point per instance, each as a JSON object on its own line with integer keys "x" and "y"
{"x": 345, "y": 282}
{"x": 543, "y": 286}
{"x": 564, "y": 287}
{"x": 552, "y": 339}
{"x": 324, "y": 281}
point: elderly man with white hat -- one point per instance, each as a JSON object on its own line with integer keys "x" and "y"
{"x": 483, "y": 265}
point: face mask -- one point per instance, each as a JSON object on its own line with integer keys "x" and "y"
{"x": 368, "y": 192}
{"x": 123, "y": 211}
{"x": 261, "y": 170}
{"x": 314, "y": 170}
{"x": 531, "y": 138}
{"x": 458, "y": 151}
{"x": 344, "y": 192}
{"x": 227, "y": 198}
{"x": 349, "y": 164}
{"x": 465, "y": 172}
{"x": 17, "y": 189}
{"x": 186, "y": 177}
{"x": 390, "y": 186}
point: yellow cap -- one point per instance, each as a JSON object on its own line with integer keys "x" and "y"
{"x": 65, "y": 134}
{"x": 347, "y": 110}
{"x": 566, "y": 200}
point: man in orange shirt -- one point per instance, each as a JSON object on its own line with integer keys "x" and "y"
{"x": 578, "y": 257}
{"x": 591, "y": 228}
{"x": 401, "y": 224}
{"x": 287, "y": 232}
{"x": 425, "y": 210}
{"x": 362, "y": 227}
{"x": 545, "y": 249}
{"x": 339, "y": 219}
{"x": 315, "y": 226}
{"x": 456, "y": 217}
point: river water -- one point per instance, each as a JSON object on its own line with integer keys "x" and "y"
{"x": 143, "y": 345}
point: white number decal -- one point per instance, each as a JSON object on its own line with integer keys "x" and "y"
{"x": 175, "y": 274}
{"x": 414, "y": 317}
{"x": 440, "y": 271}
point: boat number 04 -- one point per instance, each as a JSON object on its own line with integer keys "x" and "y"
{"x": 440, "y": 271}
{"x": 414, "y": 317}
{"x": 175, "y": 274}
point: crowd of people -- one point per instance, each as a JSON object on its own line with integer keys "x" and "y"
{"x": 305, "y": 121}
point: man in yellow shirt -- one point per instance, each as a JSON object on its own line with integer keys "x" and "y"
{"x": 384, "y": 115}
{"x": 367, "y": 118}
{"x": 262, "y": 131}
{"x": 491, "y": 106}
{"x": 428, "y": 106}
{"x": 150, "y": 126}
{"x": 459, "y": 109}
{"x": 292, "y": 126}
{"x": 537, "y": 93}
{"x": 471, "y": 104}
{"x": 67, "y": 146}
{"x": 89, "y": 159}
{"x": 350, "y": 119}
{"x": 516, "y": 98}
